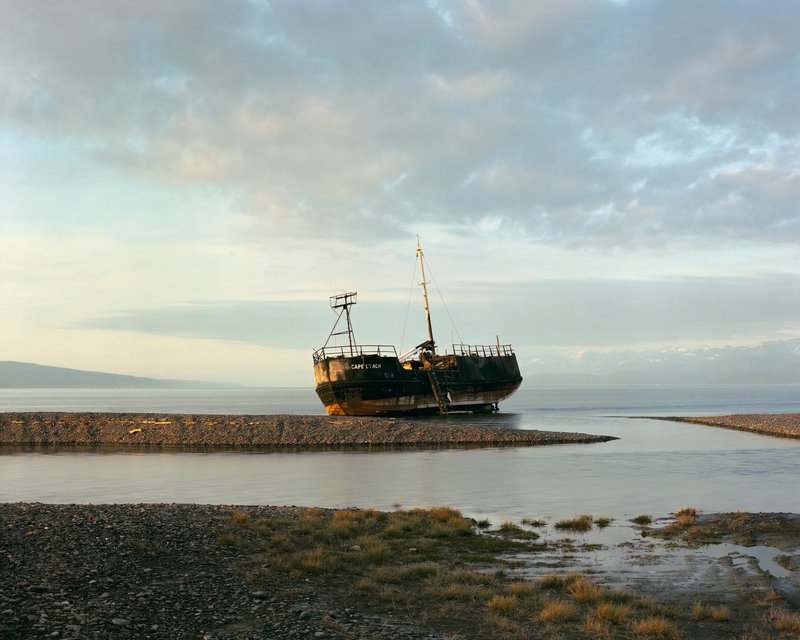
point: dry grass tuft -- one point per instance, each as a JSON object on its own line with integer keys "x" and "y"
{"x": 655, "y": 627}
{"x": 437, "y": 522}
{"x": 768, "y": 598}
{"x": 584, "y": 590}
{"x": 786, "y": 621}
{"x": 280, "y": 542}
{"x": 613, "y": 612}
{"x": 315, "y": 561}
{"x": 534, "y": 522}
{"x": 603, "y": 522}
{"x": 340, "y": 528}
{"x": 230, "y": 540}
{"x": 240, "y": 517}
{"x": 372, "y": 548}
{"x": 513, "y": 530}
{"x": 557, "y": 611}
{"x": 580, "y": 523}
{"x": 643, "y": 519}
{"x": 702, "y": 533}
{"x": 720, "y": 613}
{"x": 597, "y": 627}
{"x": 503, "y": 604}
{"x": 461, "y": 584}
{"x": 521, "y": 589}
{"x": 684, "y": 521}
{"x": 698, "y": 611}
{"x": 311, "y": 561}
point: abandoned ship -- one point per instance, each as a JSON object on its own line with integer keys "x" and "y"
{"x": 365, "y": 380}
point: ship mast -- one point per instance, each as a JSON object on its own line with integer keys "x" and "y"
{"x": 425, "y": 295}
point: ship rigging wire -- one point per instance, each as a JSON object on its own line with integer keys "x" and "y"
{"x": 441, "y": 297}
{"x": 408, "y": 306}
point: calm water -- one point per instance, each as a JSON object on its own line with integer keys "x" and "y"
{"x": 655, "y": 467}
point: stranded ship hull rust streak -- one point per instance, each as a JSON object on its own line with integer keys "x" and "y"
{"x": 364, "y": 380}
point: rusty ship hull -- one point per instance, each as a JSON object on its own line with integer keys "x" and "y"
{"x": 373, "y": 384}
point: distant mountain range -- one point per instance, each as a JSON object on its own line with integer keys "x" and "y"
{"x": 24, "y": 375}
{"x": 776, "y": 362}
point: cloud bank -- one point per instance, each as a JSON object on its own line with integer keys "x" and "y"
{"x": 569, "y": 123}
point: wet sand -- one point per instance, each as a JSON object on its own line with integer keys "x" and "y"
{"x": 168, "y": 430}
{"x": 784, "y": 425}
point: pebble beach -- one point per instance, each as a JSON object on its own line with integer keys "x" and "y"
{"x": 784, "y": 425}
{"x": 168, "y": 430}
{"x": 149, "y": 571}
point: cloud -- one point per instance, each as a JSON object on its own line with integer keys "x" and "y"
{"x": 574, "y": 123}
{"x": 563, "y": 314}
{"x": 568, "y": 314}
{"x": 284, "y": 324}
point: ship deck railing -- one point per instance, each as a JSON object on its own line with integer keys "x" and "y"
{"x": 484, "y": 350}
{"x": 355, "y": 351}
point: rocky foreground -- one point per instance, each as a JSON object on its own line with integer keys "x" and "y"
{"x": 171, "y": 572}
{"x": 785, "y": 425}
{"x": 145, "y": 571}
{"x": 167, "y": 430}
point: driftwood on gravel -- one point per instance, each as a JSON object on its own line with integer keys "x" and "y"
{"x": 167, "y": 430}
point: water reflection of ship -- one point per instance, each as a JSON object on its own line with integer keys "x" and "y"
{"x": 364, "y": 380}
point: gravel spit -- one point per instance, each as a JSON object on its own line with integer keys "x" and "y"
{"x": 784, "y": 425}
{"x": 169, "y": 430}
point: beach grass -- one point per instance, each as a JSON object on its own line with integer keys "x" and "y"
{"x": 786, "y": 621}
{"x": 558, "y": 611}
{"x": 579, "y": 523}
{"x": 534, "y": 522}
{"x": 441, "y": 567}
{"x": 655, "y": 627}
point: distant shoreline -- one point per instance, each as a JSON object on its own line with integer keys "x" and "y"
{"x": 248, "y": 431}
{"x": 783, "y": 425}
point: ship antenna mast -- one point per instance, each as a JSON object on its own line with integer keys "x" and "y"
{"x": 343, "y": 301}
{"x": 425, "y": 295}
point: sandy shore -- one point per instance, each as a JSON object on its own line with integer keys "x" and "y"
{"x": 246, "y": 572}
{"x": 784, "y": 425}
{"x": 167, "y": 430}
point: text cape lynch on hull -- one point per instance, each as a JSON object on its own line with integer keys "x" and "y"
{"x": 366, "y": 380}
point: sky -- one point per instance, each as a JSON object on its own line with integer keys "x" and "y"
{"x": 184, "y": 184}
